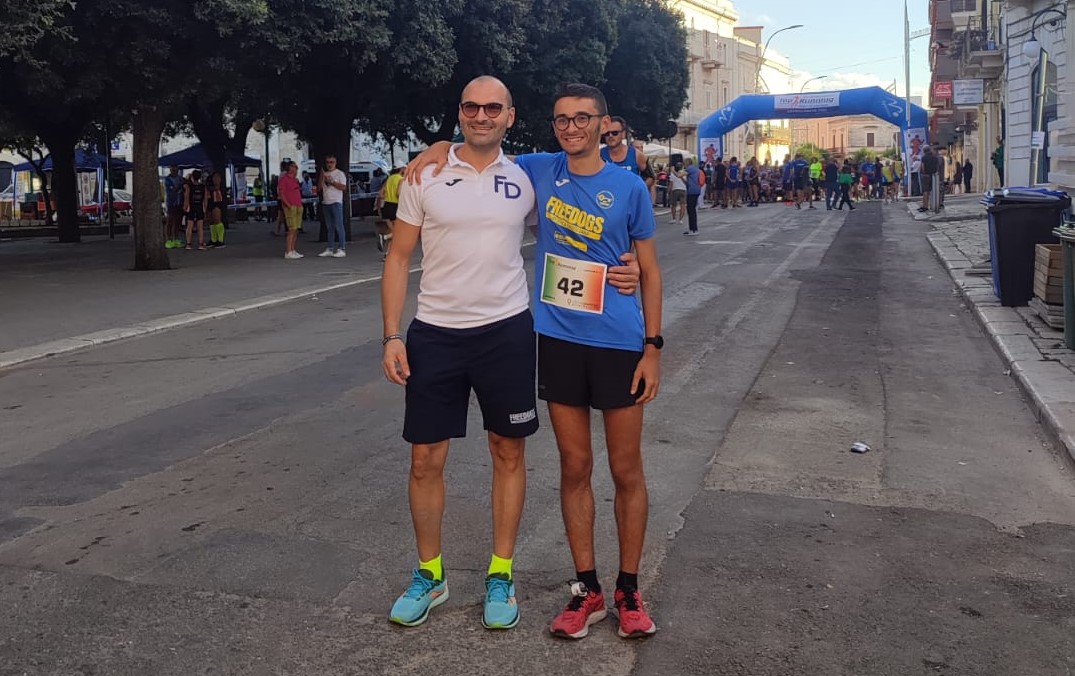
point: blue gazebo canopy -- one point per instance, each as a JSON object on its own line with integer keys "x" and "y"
{"x": 85, "y": 160}
{"x": 196, "y": 157}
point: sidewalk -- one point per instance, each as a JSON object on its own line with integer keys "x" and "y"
{"x": 57, "y": 298}
{"x": 1033, "y": 351}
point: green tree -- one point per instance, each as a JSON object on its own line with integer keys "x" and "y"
{"x": 154, "y": 75}
{"x": 477, "y": 37}
{"x": 52, "y": 86}
{"x": 647, "y": 73}
{"x": 861, "y": 155}
{"x": 553, "y": 55}
{"x": 26, "y": 22}
{"x": 811, "y": 151}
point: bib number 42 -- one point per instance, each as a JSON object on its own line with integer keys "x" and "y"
{"x": 571, "y": 287}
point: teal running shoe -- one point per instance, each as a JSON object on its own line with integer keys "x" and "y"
{"x": 424, "y": 593}
{"x": 501, "y": 610}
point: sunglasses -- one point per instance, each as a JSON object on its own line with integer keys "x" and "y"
{"x": 492, "y": 110}
{"x": 614, "y": 132}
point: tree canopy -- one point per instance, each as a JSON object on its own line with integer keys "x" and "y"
{"x": 322, "y": 68}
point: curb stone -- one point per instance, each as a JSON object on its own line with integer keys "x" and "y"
{"x": 1014, "y": 345}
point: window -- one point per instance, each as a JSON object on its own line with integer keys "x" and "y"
{"x": 724, "y": 99}
{"x": 869, "y": 139}
{"x": 708, "y": 100}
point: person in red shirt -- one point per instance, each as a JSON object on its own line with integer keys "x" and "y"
{"x": 291, "y": 204}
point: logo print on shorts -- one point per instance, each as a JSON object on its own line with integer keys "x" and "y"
{"x": 524, "y": 417}
{"x": 605, "y": 199}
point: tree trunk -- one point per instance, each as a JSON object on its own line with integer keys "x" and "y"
{"x": 149, "y": 251}
{"x": 64, "y": 185}
{"x": 243, "y": 121}
{"x": 331, "y": 135}
{"x": 342, "y": 150}
{"x": 208, "y": 123}
{"x": 319, "y": 148}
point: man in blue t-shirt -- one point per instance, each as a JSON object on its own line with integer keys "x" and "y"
{"x": 595, "y": 350}
{"x": 800, "y": 175}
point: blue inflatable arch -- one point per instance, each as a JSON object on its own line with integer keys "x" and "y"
{"x": 867, "y": 100}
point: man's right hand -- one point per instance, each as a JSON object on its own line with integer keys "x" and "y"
{"x": 436, "y": 154}
{"x": 396, "y": 367}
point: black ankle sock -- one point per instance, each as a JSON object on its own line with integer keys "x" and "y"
{"x": 589, "y": 578}
{"x": 627, "y": 581}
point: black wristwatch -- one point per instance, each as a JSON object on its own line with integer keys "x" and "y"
{"x": 655, "y": 341}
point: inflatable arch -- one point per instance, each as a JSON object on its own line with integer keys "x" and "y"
{"x": 866, "y": 100}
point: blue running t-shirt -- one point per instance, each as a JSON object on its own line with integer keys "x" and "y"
{"x": 585, "y": 222}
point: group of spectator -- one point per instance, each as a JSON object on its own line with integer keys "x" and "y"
{"x": 800, "y": 181}
{"x": 191, "y": 201}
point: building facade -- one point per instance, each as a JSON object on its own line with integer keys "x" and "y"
{"x": 727, "y": 61}
{"x": 1011, "y": 56}
{"x": 843, "y": 136}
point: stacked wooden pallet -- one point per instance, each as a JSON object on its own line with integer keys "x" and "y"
{"x": 1048, "y": 299}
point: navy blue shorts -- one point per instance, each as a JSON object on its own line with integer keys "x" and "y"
{"x": 497, "y": 361}
{"x": 573, "y": 374}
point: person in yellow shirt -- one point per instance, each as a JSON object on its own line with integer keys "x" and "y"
{"x": 816, "y": 169}
{"x": 888, "y": 180}
{"x": 387, "y": 203}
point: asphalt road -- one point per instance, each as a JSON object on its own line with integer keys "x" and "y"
{"x": 230, "y": 498}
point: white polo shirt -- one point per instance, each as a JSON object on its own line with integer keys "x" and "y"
{"x": 472, "y": 229}
{"x": 334, "y": 195}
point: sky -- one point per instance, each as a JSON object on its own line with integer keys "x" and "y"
{"x": 853, "y": 44}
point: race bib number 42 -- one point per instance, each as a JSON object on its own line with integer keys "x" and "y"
{"x": 573, "y": 284}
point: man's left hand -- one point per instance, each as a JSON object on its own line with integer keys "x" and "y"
{"x": 625, "y": 277}
{"x": 648, "y": 372}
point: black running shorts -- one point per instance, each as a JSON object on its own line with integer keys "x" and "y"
{"x": 388, "y": 210}
{"x": 581, "y": 375}
{"x": 497, "y": 361}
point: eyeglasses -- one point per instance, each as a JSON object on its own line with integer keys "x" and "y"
{"x": 492, "y": 110}
{"x": 581, "y": 121}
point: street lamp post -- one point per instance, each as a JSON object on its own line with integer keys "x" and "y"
{"x": 907, "y": 37}
{"x": 757, "y": 77}
{"x": 819, "y": 77}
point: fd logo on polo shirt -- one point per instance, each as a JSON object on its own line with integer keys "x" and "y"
{"x": 512, "y": 191}
{"x": 605, "y": 200}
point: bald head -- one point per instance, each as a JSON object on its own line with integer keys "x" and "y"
{"x": 486, "y": 83}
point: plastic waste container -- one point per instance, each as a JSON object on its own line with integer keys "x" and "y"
{"x": 1020, "y": 219}
{"x": 1067, "y": 239}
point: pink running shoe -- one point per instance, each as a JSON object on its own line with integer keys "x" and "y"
{"x": 585, "y": 608}
{"x": 635, "y": 622}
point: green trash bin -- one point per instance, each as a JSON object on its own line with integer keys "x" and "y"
{"x": 1067, "y": 240}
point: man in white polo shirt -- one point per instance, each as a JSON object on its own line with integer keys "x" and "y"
{"x": 473, "y": 330}
{"x": 333, "y": 183}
